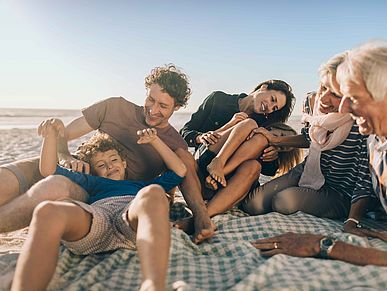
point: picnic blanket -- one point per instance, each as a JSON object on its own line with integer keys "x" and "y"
{"x": 228, "y": 261}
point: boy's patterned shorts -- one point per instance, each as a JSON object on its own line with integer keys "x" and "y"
{"x": 110, "y": 229}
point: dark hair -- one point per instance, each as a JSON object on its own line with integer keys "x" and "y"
{"x": 282, "y": 114}
{"x": 172, "y": 81}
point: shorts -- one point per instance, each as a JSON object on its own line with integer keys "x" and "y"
{"x": 203, "y": 157}
{"x": 26, "y": 171}
{"x": 110, "y": 229}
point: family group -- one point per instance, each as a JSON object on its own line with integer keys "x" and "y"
{"x": 115, "y": 190}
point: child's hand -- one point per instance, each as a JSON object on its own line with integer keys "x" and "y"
{"x": 51, "y": 126}
{"x": 146, "y": 135}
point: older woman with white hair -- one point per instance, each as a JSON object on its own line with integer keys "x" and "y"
{"x": 363, "y": 82}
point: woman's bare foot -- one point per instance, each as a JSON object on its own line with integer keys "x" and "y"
{"x": 210, "y": 183}
{"x": 215, "y": 169}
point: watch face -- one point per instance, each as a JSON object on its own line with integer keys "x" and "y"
{"x": 327, "y": 242}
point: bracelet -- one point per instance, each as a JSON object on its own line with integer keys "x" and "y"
{"x": 358, "y": 225}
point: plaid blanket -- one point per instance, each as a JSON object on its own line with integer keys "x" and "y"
{"x": 228, "y": 261}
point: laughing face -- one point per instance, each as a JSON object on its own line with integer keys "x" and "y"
{"x": 329, "y": 98}
{"x": 109, "y": 165}
{"x": 267, "y": 101}
{"x": 159, "y": 107}
{"x": 370, "y": 115}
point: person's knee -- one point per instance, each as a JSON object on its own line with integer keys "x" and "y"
{"x": 285, "y": 201}
{"x": 152, "y": 198}
{"x": 259, "y": 140}
{"x": 251, "y": 169}
{"x": 56, "y": 187}
{"x": 48, "y": 213}
{"x": 248, "y": 124}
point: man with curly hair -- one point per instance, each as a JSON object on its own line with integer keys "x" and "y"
{"x": 167, "y": 90}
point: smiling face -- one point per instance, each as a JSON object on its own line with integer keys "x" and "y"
{"x": 328, "y": 95}
{"x": 108, "y": 164}
{"x": 370, "y": 115}
{"x": 267, "y": 101}
{"x": 159, "y": 107}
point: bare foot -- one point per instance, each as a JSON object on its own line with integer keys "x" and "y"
{"x": 198, "y": 227}
{"x": 215, "y": 169}
{"x": 204, "y": 228}
{"x": 149, "y": 285}
{"x": 210, "y": 183}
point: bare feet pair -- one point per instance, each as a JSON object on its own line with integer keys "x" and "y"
{"x": 201, "y": 229}
{"x": 216, "y": 171}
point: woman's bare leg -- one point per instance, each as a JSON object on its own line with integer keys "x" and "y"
{"x": 249, "y": 150}
{"x": 239, "y": 184}
{"x": 149, "y": 216}
{"x": 51, "y": 222}
{"x": 237, "y": 136}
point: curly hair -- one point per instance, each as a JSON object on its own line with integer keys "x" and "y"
{"x": 282, "y": 114}
{"x": 172, "y": 81}
{"x": 99, "y": 142}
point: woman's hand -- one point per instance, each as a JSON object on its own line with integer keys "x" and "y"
{"x": 238, "y": 117}
{"x": 269, "y": 154}
{"x": 293, "y": 244}
{"x": 146, "y": 135}
{"x": 208, "y": 138}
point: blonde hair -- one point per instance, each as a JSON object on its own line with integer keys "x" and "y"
{"x": 369, "y": 61}
{"x": 329, "y": 68}
{"x": 287, "y": 159}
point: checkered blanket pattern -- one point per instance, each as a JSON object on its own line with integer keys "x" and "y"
{"x": 229, "y": 261}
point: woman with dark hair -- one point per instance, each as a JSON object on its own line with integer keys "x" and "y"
{"x": 222, "y": 123}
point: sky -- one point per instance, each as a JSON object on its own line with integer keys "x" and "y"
{"x": 70, "y": 54}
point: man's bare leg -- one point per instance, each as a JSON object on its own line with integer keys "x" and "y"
{"x": 239, "y": 184}
{"x": 149, "y": 216}
{"x": 237, "y": 136}
{"x": 51, "y": 222}
{"x": 17, "y": 213}
{"x": 191, "y": 190}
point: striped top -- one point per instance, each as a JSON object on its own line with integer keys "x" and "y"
{"x": 346, "y": 167}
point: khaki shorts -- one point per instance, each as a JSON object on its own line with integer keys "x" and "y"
{"x": 110, "y": 229}
{"x": 26, "y": 171}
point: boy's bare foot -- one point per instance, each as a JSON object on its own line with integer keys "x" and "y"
{"x": 200, "y": 230}
{"x": 215, "y": 169}
{"x": 149, "y": 285}
{"x": 210, "y": 183}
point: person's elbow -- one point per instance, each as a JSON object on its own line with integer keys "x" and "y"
{"x": 182, "y": 170}
{"x": 46, "y": 171}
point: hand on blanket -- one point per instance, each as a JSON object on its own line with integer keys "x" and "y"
{"x": 351, "y": 227}
{"x": 293, "y": 244}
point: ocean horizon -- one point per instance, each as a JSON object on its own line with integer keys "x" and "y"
{"x": 30, "y": 118}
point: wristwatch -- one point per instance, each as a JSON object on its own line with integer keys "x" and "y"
{"x": 326, "y": 245}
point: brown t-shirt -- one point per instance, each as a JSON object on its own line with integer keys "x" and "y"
{"x": 122, "y": 119}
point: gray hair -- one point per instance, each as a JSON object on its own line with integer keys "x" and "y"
{"x": 370, "y": 62}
